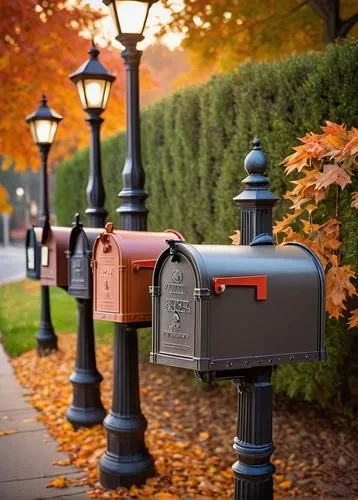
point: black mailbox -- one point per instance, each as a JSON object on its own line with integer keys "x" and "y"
{"x": 33, "y": 252}
{"x": 79, "y": 265}
{"x": 219, "y": 307}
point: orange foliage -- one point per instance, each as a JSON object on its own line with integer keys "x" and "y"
{"x": 40, "y": 45}
{"x": 5, "y": 206}
{"x": 327, "y": 163}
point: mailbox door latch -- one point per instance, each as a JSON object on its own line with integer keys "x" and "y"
{"x": 260, "y": 282}
{"x": 146, "y": 264}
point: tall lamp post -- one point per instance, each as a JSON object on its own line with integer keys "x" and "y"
{"x": 43, "y": 125}
{"x": 127, "y": 460}
{"x": 93, "y": 84}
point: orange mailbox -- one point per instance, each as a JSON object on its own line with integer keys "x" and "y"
{"x": 123, "y": 263}
{"x": 55, "y": 241}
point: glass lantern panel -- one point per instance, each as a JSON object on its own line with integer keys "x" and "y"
{"x": 33, "y": 131}
{"x": 52, "y": 132}
{"x": 106, "y": 94}
{"x": 113, "y": 12}
{"x": 94, "y": 90}
{"x": 132, "y": 15}
{"x": 81, "y": 93}
{"x": 43, "y": 131}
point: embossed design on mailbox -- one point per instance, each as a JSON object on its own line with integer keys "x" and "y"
{"x": 33, "y": 252}
{"x": 55, "y": 241}
{"x": 237, "y": 306}
{"x": 123, "y": 263}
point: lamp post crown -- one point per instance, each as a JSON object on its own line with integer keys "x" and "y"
{"x": 43, "y": 112}
{"x": 92, "y": 68}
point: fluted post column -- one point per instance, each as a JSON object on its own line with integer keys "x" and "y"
{"x": 86, "y": 409}
{"x": 127, "y": 460}
{"x": 253, "y": 445}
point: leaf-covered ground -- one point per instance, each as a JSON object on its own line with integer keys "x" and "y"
{"x": 190, "y": 433}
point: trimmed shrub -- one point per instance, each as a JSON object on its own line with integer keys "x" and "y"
{"x": 193, "y": 146}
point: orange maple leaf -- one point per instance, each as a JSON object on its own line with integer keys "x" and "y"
{"x": 332, "y": 174}
{"x": 58, "y": 482}
{"x": 355, "y": 199}
{"x": 235, "y": 238}
{"x": 353, "y": 320}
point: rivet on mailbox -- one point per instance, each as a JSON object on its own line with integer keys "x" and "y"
{"x": 123, "y": 263}
{"x": 219, "y": 308}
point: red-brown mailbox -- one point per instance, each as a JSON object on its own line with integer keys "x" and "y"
{"x": 220, "y": 307}
{"x": 123, "y": 263}
{"x": 55, "y": 241}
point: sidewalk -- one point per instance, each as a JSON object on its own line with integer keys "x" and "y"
{"x": 26, "y": 456}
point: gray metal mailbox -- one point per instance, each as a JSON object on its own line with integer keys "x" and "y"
{"x": 225, "y": 307}
{"x": 79, "y": 265}
{"x": 33, "y": 252}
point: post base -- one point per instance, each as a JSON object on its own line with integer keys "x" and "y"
{"x": 115, "y": 472}
{"x": 127, "y": 461}
{"x": 46, "y": 340}
{"x": 85, "y": 417}
{"x": 86, "y": 409}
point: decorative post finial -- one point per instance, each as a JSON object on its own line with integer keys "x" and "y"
{"x": 93, "y": 51}
{"x": 43, "y": 100}
{"x": 255, "y": 201}
{"x": 76, "y": 220}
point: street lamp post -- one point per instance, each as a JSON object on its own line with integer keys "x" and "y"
{"x": 43, "y": 125}
{"x": 93, "y": 84}
{"x": 127, "y": 460}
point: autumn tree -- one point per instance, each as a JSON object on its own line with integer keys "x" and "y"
{"x": 231, "y": 31}
{"x": 41, "y": 43}
{"x": 5, "y": 206}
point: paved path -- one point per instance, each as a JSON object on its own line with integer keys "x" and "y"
{"x": 26, "y": 456}
{"x": 12, "y": 263}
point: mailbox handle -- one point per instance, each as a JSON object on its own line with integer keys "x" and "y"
{"x": 260, "y": 282}
{"x": 146, "y": 264}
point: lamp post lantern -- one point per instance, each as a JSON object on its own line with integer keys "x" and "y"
{"x": 43, "y": 125}
{"x": 127, "y": 461}
{"x": 93, "y": 84}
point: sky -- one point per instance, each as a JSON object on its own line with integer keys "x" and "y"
{"x": 157, "y": 14}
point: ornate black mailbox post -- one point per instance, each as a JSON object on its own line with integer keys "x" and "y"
{"x": 93, "y": 83}
{"x": 43, "y": 125}
{"x": 234, "y": 312}
{"x": 86, "y": 409}
{"x": 127, "y": 460}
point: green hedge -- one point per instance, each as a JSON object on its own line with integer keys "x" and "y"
{"x": 194, "y": 144}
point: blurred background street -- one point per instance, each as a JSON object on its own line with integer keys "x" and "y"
{"x": 12, "y": 263}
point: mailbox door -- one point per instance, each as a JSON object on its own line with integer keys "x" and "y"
{"x": 108, "y": 274}
{"x": 176, "y": 327}
{"x": 48, "y": 261}
{"x": 33, "y": 251}
{"x": 80, "y": 284}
